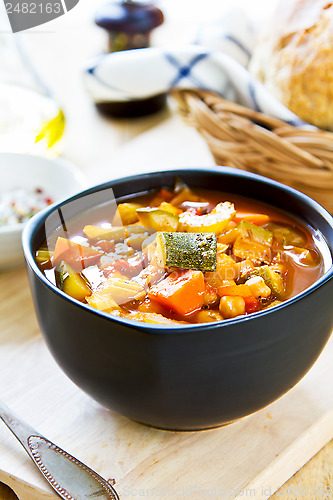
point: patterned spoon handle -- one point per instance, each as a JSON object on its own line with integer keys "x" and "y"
{"x": 69, "y": 477}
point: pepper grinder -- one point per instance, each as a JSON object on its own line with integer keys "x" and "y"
{"x": 129, "y": 24}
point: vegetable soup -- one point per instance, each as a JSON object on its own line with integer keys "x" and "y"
{"x": 186, "y": 256}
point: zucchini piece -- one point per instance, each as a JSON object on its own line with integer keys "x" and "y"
{"x": 71, "y": 283}
{"x": 287, "y": 235}
{"x": 254, "y": 232}
{"x": 158, "y": 219}
{"x": 197, "y": 251}
{"x": 272, "y": 279}
{"x": 214, "y": 222}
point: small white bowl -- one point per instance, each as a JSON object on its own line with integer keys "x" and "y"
{"x": 57, "y": 177}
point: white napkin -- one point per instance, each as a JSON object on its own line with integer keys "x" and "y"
{"x": 216, "y": 61}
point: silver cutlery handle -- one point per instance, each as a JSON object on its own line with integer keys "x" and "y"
{"x": 19, "y": 428}
{"x": 69, "y": 477}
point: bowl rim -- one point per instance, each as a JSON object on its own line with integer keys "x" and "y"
{"x": 34, "y": 223}
{"x": 70, "y": 168}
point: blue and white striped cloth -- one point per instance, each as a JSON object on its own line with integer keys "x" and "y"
{"x": 215, "y": 61}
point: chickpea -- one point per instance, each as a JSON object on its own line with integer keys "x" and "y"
{"x": 232, "y": 306}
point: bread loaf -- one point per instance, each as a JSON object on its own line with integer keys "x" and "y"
{"x": 294, "y": 59}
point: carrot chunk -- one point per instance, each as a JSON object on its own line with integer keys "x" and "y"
{"x": 254, "y": 218}
{"x": 182, "y": 292}
{"x": 77, "y": 256}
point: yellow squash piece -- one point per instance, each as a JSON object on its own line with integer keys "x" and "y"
{"x": 170, "y": 208}
{"x": 71, "y": 283}
{"x": 160, "y": 220}
{"x": 127, "y": 212}
{"x": 214, "y": 222}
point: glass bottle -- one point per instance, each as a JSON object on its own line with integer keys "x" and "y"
{"x": 30, "y": 119}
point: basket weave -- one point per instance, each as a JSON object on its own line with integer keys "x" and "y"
{"x": 245, "y": 139}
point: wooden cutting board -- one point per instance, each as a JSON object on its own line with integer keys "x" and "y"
{"x": 251, "y": 458}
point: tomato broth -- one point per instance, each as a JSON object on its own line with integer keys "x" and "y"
{"x": 184, "y": 256}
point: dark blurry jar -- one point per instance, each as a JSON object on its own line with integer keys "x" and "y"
{"x": 129, "y": 25}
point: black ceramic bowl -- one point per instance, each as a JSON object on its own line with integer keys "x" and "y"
{"x": 196, "y": 376}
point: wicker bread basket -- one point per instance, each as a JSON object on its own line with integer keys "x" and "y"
{"x": 241, "y": 138}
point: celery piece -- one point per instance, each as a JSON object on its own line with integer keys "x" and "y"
{"x": 254, "y": 232}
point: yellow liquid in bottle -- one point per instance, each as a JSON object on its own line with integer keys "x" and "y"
{"x": 29, "y": 122}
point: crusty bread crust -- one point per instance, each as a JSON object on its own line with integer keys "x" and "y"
{"x": 293, "y": 59}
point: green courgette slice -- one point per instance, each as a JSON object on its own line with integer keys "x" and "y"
{"x": 196, "y": 251}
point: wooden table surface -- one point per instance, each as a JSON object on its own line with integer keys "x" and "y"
{"x": 61, "y": 49}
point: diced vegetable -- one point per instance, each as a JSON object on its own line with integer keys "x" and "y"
{"x": 170, "y": 208}
{"x": 247, "y": 230}
{"x": 286, "y": 235}
{"x": 136, "y": 240}
{"x": 245, "y": 248}
{"x": 274, "y": 303}
{"x": 116, "y": 291}
{"x": 231, "y": 290}
{"x": 147, "y": 317}
{"x": 43, "y": 256}
{"x": 258, "y": 287}
{"x": 105, "y": 246}
{"x": 272, "y": 279}
{"x": 226, "y": 267}
{"x": 158, "y": 219}
{"x": 160, "y": 197}
{"x": 207, "y": 316}
{"x": 251, "y": 304}
{"x": 182, "y": 292}
{"x": 254, "y": 218}
{"x": 228, "y": 237}
{"x": 244, "y": 267}
{"x": 183, "y": 193}
{"x": 185, "y": 250}
{"x": 130, "y": 267}
{"x": 214, "y": 222}
{"x": 256, "y": 233}
{"x": 302, "y": 256}
{"x": 232, "y": 306}
{"x": 152, "y": 274}
{"x": 211, "y": 297}
{"x": 151, "y": 306}
{"x": 113, "y": 233}
{"x": 127, "y": 212}
{"x": 102, "y": 301}
{"x": 116, "y": 233}
{"x": 77, "y": 256}
{"x": 221, "y": 248}
{"x": 71, "y": 282}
